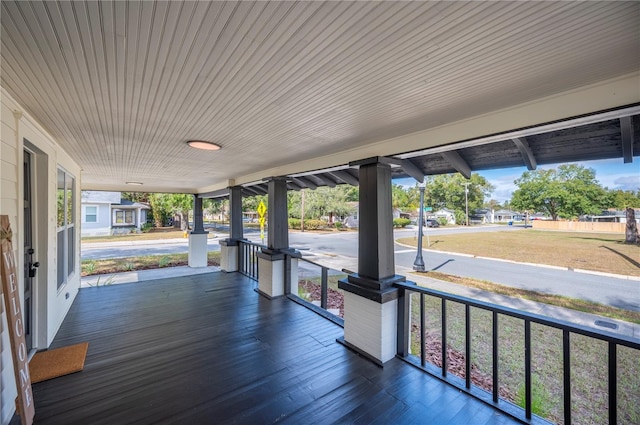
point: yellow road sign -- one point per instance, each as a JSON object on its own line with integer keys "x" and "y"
{"x": 262, "y": 208}
{"x": 261, "y": 221}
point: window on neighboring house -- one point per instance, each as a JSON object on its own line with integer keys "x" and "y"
{"x": 124, "y": 218}
{"x": 65, "y": 226}
{"x": 91, "y": 214}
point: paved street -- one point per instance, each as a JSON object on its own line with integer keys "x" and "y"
{"x": 339, "y": 250}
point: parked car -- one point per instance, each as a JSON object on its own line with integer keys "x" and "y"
{"x": 431, "y": 223}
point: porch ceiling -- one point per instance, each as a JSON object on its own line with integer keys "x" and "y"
{"x": 123, "y": 85}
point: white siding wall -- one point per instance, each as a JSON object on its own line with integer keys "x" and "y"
{"x": 100, "y": 228}
{"x": 8, "y": 206}
{"x": 50, "y": 304}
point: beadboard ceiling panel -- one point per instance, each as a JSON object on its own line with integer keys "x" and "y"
{"x": 123, "y": 85}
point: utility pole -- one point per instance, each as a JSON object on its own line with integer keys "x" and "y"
{"x": 466, "y": 200}
{"x": 302, "y": 211}
{"x": 418, "y": 264}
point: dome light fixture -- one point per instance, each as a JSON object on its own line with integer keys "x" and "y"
{"x": 134, "y": 183}
{"x": 204, "y": 145}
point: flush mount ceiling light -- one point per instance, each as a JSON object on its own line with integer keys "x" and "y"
{"x": 134, "y": 183}
{"x": 201, "y": 144}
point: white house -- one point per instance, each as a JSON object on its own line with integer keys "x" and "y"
{"x": 449, "y": 215}
{"x": 106, "y": 213}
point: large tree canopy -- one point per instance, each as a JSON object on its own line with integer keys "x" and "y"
{"x": 569, "y": 191}
{"x": 448, "y": 191}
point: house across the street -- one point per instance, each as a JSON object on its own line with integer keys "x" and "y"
{"x": 106, "y": 213}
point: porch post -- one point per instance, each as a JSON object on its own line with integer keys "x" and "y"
{"x": 229, "y": 247}
{"x": 271, "y": 260}
{"x": 370, "y": 300}
{"x": 198, "y": 237}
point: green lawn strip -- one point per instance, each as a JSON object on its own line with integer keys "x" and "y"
{"x": 589, "y": 251}
{"x": 556, "y": 300}
{"x": 118, "y": 265}
{"x": 589, "y": 373}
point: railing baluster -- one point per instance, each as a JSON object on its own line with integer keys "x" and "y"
{"x": 423, "y": 354}
{"x": 613, "y": 383}
{"x": 525, "y": 415}
{"x": 495, "y": 356}
{"x": 467, "y": 345}
{"x": 527, "y": 368}
{"x": 323, "y": 288}
{"x": 404, "y": 322}
{"x": 444, "y": 337}
{"x": 566, "y": 360}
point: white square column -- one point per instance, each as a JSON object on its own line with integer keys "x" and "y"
{"x": 271, "y": 275}
{"x": 229, "y": 256}
{"x": 371, "y": 327}
{"x": 198, "y": 249}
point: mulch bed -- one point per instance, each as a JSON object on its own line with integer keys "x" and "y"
{"x": 334, "y": 298}
{"x": 145, "y": 267}
{"x": 456, "y": 364}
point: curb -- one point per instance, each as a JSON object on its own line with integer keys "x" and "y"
{"x": 545, "y": 266}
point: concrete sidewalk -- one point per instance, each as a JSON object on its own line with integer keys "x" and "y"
{"x": 575, "y": 317}
{"x": 627, "y": 329}
{"x": 143, "y": 275}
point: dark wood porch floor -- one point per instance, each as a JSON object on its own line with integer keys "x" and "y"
{"x": 207, "y": 349}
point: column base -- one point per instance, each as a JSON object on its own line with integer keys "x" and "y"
{"x": 229, "y": 255}
{"x": 371, "y": 316}
{"x": 271, "y": 273}
{"x": 198, "y": 249}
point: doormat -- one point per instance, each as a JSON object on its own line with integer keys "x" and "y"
{"x": 57, "y": 362}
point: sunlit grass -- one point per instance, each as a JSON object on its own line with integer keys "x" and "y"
{"x": 590, "y": 251}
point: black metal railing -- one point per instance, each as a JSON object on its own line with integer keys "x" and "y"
{"x": 406, "y": 325}
{"x": 316, "y": 287}
{"x": 248, "y": 258}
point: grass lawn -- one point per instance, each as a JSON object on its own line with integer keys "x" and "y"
{"x": 157, "y": 233}
{"x": 118, "y": 265}
{"x": 588, "y": 359}
{"x": 590, "y": 251}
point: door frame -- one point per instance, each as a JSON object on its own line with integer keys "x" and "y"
{"x": 39, "y": 242}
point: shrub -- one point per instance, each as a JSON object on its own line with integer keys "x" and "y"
{"x": 315, "y": 224}
{"x": 442, "y": 221}
{"x": 89, "y": 267}
{"x": 127, "y": 266}
{"x": 163, "y": 261}
{"x": 461, "y": 218}
{"x": 146, "y": 227}
{"x": 294, "y": 223}
{"x": 401, "y": 222}
{"x": 338, "y": 225}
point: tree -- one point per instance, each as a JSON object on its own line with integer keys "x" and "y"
{"x": 448, "y": 191}
{"x": 569, "y": 191}
{"x": 631, "y": 229}
{"x": 163, "y": 205}
{"x": 321, "y": 202}
{"x": 621, "y": 199}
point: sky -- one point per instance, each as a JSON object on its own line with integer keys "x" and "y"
{"x": 611, "y": 173}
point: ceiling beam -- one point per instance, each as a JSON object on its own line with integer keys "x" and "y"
{"x": 263, "y": 188}
{"x": 525, "y": 150}
{"x": 412, "y": 169}
{"x": 216, "y": 194}
{"x": 250, "y": 190}
{"x": 325, "y": 179}
{"x": 461, "y": 166}
{"x": 346, "y": 177}
{"x": 626, "y": 129}
{"x": 305, "y": 182}
{"x": 291, "y": 185}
